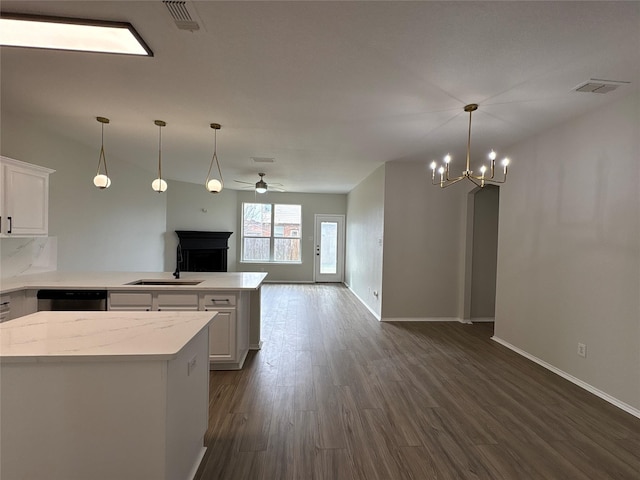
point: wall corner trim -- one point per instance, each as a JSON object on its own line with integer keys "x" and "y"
{"x": 589, "y": 388}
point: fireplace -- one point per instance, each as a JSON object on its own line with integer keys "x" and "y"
{"x": 202, "y": 251}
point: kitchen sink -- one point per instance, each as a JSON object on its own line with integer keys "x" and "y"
{"x": 166, "y": 282}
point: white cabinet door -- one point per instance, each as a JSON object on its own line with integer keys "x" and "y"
{"x": 222, "y": 336}
{"x": 25, "y": 198}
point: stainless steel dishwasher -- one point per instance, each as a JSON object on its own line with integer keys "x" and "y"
{"x": 76, "y": 300}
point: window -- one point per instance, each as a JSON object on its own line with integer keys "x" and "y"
{"x": 271, "y": 233}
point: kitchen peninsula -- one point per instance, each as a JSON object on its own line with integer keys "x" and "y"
{"x": 236, "y": 296}
{"x": 101, "y": 395}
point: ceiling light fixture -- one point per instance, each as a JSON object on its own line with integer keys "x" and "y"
{"x": 102, "y": 181}
{"x": 58, "y": 33}
{"x": 213, "y": 184}
{"x": 159, "y": 185}
{"x": 261, "y": 185}
{"x": 479, "y": 180}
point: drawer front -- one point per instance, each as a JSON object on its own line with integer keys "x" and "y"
{"x": 187, "y": 300}
{"x": 126, "y": 299}
{"x": 219, "y": 300}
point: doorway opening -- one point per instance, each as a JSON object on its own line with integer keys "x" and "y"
{"x": 481, "y": 254}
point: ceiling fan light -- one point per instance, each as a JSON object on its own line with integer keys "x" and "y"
{"x": 261, "y": 186}
{"x": 214, "y": 185}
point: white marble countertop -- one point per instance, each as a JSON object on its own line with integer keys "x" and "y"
{"x": 121, "y": 281}
{"x": 99, "y": 336}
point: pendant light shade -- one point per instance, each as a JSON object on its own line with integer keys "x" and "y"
{"x": 159, "y": 185}
{"x": 214, "y": 185}
{"x": 102, "y": 180}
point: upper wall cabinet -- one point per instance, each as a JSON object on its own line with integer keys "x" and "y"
{"x": 24, "y": 198}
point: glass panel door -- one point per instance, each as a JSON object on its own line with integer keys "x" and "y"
{"x": 329, "y": 239}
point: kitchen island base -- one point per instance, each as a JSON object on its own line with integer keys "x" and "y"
{"x": 105, "y": 418}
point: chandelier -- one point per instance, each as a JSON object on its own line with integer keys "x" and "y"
{"x": 479, "y": 180}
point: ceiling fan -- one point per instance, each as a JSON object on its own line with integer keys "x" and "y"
{"x": 261, "y": 186}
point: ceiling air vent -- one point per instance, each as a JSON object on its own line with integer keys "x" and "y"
{"x": 596, "y": 85}
{"x": 181, "y": 16}
{"x": 263, "y": 160}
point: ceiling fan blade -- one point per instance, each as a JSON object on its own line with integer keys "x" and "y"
{"x": 248, "y": 183}
{"x": 276, "y": 189}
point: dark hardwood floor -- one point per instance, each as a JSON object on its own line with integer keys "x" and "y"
{"x": 335, "y": 394}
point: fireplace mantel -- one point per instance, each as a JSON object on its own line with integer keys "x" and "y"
{"x": 203, "y": 251}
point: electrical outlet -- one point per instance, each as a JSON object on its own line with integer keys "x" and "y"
{"x": 191, "y": 366}
{"x": 582, "y": 350}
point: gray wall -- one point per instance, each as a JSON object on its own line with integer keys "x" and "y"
{"x": 424, "y": 231}
{"x": 569, "y": 249}
{"x": 485, "y": 252}
{"x": 191, "y": 207}
{"x": 121, "y": 228}
{"x": 365, "y": 225}
{"x": 312, "y": 204}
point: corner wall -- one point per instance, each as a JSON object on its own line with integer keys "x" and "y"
{"x": 569, "y": 249}
{"x": 191, "y": 207}
{"x": 364, "y": 245}
{"x": 424, "y": 232}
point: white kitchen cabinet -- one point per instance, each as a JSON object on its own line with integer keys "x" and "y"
{"x": 24, "y": 199}
{"x": 228, "y": 333}
{"x": 222, "y": 337}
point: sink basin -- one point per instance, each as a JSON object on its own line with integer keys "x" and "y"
{"x": 166, "y": 282}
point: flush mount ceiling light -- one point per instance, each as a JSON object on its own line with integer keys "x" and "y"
{"x": 58, "y": 33}
{"x": 479, "y": 180}
{"x": 213, "y": 184}
{"x": 159, "y": 185}
{"x": 102, "y": 180}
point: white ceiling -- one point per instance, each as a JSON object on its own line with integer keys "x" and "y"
{"x": 331, "y": 90}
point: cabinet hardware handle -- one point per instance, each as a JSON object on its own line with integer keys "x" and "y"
{"x": 216, "y": 300}
{"x": 10, "y": 224}
{"x": 0, "y": 223}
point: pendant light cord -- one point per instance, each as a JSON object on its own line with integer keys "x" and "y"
{"x": 214, "y": 157}
{"x": 160, "y": 153}
{"x": 102, "y": 158}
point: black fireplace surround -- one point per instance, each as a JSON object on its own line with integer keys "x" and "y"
{"x": 202, "y": 251}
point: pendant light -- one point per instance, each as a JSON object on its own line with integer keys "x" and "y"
{"x": 159, "y": 185}
{"x": 102, "y": 180}
{"x": 214, "y": 185}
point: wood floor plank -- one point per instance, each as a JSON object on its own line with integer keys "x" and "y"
{"x": 336, "y": 394}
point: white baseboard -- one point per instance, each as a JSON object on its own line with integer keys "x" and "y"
{"x": 482, "y": 319}
{"x": 589, "y": 388}
{"x": 285, "y": 282}
{"x": 196, "y": 463}
{"x": 424, "y": 319}
{"x": 363, "y": 303}
{"x": 253, "y": 346}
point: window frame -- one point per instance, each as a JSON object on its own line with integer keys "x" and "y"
{"x": 272, "y": 237}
